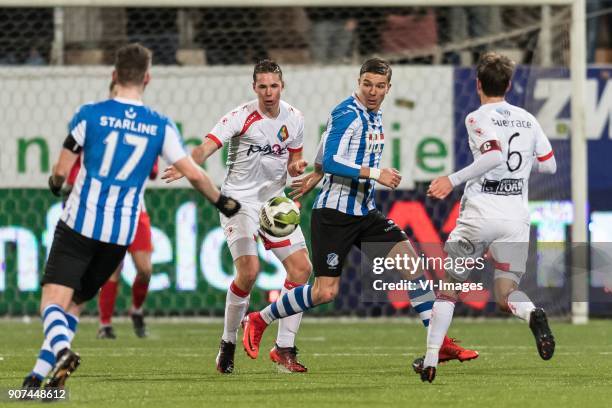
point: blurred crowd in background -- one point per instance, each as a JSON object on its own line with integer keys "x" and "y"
{"x": 229, "y": 36}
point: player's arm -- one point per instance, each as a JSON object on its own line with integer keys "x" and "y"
{"x": 546, "y": 162}
{"x": 304, "y": 185}
{"x": 61, "y": 169}
{"x": 343, "y": 126}
{"x": 174, "y": 153}
{"x": 199, "y": 155}
{"x": 296, "y": 164}
{"x": 490, "y": 157}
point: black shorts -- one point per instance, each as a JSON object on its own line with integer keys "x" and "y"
{"x": 81, "y": 263}
{"x": 333, "y": 233}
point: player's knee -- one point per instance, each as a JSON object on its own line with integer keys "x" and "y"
{"x": 247, "y": 270}
{"x": 300, "y": 272}
{"x": 144, "y": 272}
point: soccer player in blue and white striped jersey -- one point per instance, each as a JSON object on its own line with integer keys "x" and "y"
{"x": 345, "y": 214}
{"x": 120, "y": 139}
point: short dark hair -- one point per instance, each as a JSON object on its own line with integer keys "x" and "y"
{"x": 267, "y": 66}
{"x": 376, "y": 66}
{"x": 494, "y": 71}
{"x": 132, "y": 61}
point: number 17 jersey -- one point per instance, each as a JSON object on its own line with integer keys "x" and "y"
{"x": 121, "y": 139}
{"x": 502, "y": 193}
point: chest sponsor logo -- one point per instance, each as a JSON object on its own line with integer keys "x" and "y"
{"x": 504, "y": 187}
{"x": 265, "y": 150}
{"x": 375, "y": 142}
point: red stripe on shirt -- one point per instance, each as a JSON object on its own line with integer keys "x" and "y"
{"x": 252, "y": 118}
{"x": 299, "y": 149}
{"x": 214, "y": 139}
{"x": 546, "y": 156}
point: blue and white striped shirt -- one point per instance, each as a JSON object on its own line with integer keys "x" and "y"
{"x": 354, "y": 138}
{"x": 121, "y": 140}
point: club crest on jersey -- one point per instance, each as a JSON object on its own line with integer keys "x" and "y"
{"x": 283, "y": 134}
{"x": 130, "y": 113}
{"x": 504, "y": 112}
{"x": 375, "y": 142}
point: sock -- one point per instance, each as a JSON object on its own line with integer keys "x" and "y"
{"x": 520, "y": 305}
{"x": 422, "y": 298}
{"x": 46, "y": 358}
{"x": 441, "y": 317}
{"x": 106, "y": 302}
{"x": 55, "y": 327}
{"x": 288, "y": 326}
{"x": 236, "y": 305}
{"x": 140, "y": 288}
{"x": 294, "y": 301}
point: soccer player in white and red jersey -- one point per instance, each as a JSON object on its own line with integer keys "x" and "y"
{"x": 264, "y": 139}
{"x": 507, "y": 142}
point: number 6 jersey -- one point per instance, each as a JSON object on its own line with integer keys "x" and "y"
{"x": 502, "y": 193}
{"x": 121, "y": 140}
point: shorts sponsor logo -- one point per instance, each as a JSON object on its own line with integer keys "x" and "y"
{"x": 466, "y": 246}
{"x": 391, "y": 225}
{"x": 504, "y": 187}
{"x": 333, "y": 260}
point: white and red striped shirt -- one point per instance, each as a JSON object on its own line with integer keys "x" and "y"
{"x": 258, "y": 150}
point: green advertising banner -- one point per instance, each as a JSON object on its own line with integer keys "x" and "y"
{"x": 192, "y": 266}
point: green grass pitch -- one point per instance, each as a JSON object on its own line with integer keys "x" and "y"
{"x": 356, "y": 364}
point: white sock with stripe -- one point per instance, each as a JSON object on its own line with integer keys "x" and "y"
{"x": 441, "y": 318}
{"x": 520, "y": 305}
{"x": 288, "y": 326}
{"x": 236, "y": 305}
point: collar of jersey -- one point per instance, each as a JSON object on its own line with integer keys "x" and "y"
{"x": 128, "y": 101}
{"x": 363, "y": 108}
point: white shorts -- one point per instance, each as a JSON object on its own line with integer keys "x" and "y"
{"x": 507, "y": 241}
{"x": 242, "y": 230}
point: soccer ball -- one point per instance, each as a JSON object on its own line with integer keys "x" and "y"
{"x": 279, "y": 217}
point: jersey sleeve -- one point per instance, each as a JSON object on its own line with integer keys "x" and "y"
{"x": 343, "y": 126}
{"x": 227, "y": 127}
{"x": 78, "y": 125}
{"x": 543, "y": 148}
{"x": 319, "y": 156}
{"x": 482, "y": 133}
{"x": 172, "y": 149}
{"x": 298, "y": 142}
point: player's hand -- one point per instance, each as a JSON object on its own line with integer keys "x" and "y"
{"x": 440, "y": 188}
{"x": 297, "y": 168}
{"x": 171, "y": 174}
{"x": 304, "y": 185}
{"x": 227, "y": 205}
{"x": 55, "y": 185}
{"x": 390, "y": 177}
